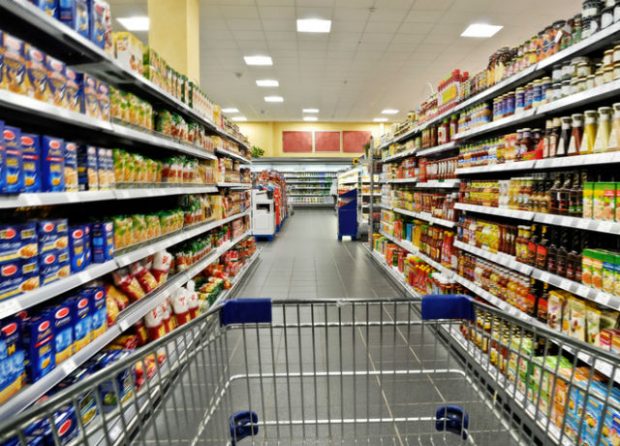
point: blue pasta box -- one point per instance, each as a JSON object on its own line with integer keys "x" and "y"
{"x": 52, "y": 164}
{"x": 49, "y": 266}
{"x": 57, "y": 80}
{"x": 99, "y": 22}
{"x": 63, "y": 331}
{"x": 30, "y": 275}
{"x": 36, "y": 73}
{"x": 71, "y": 167}
{"x": 52, "y": 235}
{"x": 10, "y": 336}
{"x": 38, "y": 342}
{"x": 74, "y": 14}
{"x": 91, "y": 104}
{"x": 78, "y": 245}
{"x": 82, "y": 321}
{"x": 12, "y": 376}
{"x": 13, "y": 172}
{"x": 11, "y": 279}
{"x": 64, "y": 264}
{"x": 10, "y": 242}
{"x": 31, "y": 162}
{"x": 2, "y": 151}
{"x": 89, "y": 243}
{"x": 86, "y": 401}
{"x": 49, "y": 6}
{"x": 14, "y": 64}
{"x": 74, "y": 90}
{"x": 119, "y": 388}
{"x": 88, "y": 177}
{"x": 65, "y": 425}
{"x": 98, "y": 308}
{"x": 103, "y": 241}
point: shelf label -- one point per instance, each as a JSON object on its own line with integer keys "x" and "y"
{"x": 68, "y": 366}
{"x": 566, "y": 284}
{"x": 124, "y": 325}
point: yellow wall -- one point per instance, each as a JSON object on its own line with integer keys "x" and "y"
{"x": 268, "y": 135}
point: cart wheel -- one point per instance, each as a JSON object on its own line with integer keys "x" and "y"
{"x": 242, "y": 424}
{"x": 452, "y": 419}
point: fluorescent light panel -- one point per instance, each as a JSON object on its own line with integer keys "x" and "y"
{"x": 239, "y": 118}
{"x": 258, "y": 60}
{"x": 380, "y": 119}
{"x": 314, "y": 25}
{"x": 267, "y": 83}
{"x": 136, "y": 23}
{"x": 274, "y": 99}
{"x": 310, "y": 110}
{"x": 230, "y": 110}
{"x": 481, "y": 30}
{"x": 389, "y": 111}
{"x": 310, "y": 118}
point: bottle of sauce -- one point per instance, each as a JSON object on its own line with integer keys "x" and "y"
{"x": 565, "y": 134}
{"x": 542, "y": 304}
{"x": 542, "y": 249}
{"x": 575, "y": 202}
{"x": 545, "y": 203}
{"x": 601, "y": 143}
{"x": 554, "y": 137}
{"x": 531, "y": 246}
{"x": 564, "y": 195}
{"x": 545, "y": 139}
{"x": 552, "y": 253}
{"x": 589, "y": 132}
{"x": 614, "y": 136}
{"x": 554, "y": 194}
{"x": 576, "y": 134}
{"x": 573, "y": 257}
{"x": 562, "y": 255}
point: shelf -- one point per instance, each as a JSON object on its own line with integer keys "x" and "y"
{"x": 393, "y": 273}
{"x": 426, "y": 216}
{"x": 503, "y": 167}
{"x": 235, "y": 185}
{"x": 398, "y": 156}
{"x": 308, "y": 195}
{"x": 23, "y": 109}
{"x": 60, "y": 198}
{"x": 402, "y": 181}
{"x": 500, "y": 258}
{"x": 48, "y": 292}
{"x": 489, "y": 210}
{"x": 579, "y": 160}
{"x": 238, "y": 279}
{"x": 437, "y": 149}
{"x": 440, "y": 184}
{"x": 508, "y": 121}
{"x": 233, "y": 155}
{"x": 413, "y": 250}
{"x": 126, "y": 319}
{"x": 28, "y": 22}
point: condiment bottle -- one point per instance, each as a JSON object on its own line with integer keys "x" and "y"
{"x": 552, "y": 253}
{"x": 541, "y": 249}
{"x": 604, "y": 129}
{"x": 545, "y": 138}
{"x": 576, "y": 134}
{"x": 589, "y": 132}
{"x": 575, "y": 202}
{"x": 564, "y": 195}
{"x": 614, "y": 136}
{"x": 554, "y": 195}
{"x": 554, "y": 136}
{"x": 565, "y": 134}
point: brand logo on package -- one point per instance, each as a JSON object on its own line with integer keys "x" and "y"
{"x": 48, "y": 227}
{"x": 44, "y": 326}
{"x": 78, "y": 233}
{"x": 8, "y": 330}
{"x": 9, "y": 135}
{"x": 82, "y": 303}
{"x": 64, "y": 428}
{"x": 99, "y": 295}
{"x": 49, "y": 259}
{"x": 62, "y": 313}
{"x": 27, "y": 141}
{"x": 9, "y": 233}
{"x": 55, "y": 144}
{"x": 71, "y": 147}
{"x": 36, "y": 55}
{"x": 9, "y": 270}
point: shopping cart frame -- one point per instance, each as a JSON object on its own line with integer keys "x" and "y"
{"x": 148, "y": 401}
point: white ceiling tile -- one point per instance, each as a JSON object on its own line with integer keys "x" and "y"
{"x": 350, "y": 14}
{"x": 248, "y": 35}
{"x": 244, "y": 24}
{"x": 279, "y": 25}
{"x": 239, "y": 12}
{"x": 377, "y": 37}
{"x": 277, "y": 12}
{"x": 423, "y": 15}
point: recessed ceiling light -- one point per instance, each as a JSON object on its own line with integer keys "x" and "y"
{"x": 310, "y": 110}
{"x": 481, "y": 30}
{"x": 258, "y": 60}
{"x": 313, "y": 26}
{"x": 311, "y": 118}
{"x": 239, "y": 118}
{"x": 267, "y": 83}
{"x": 230, "y": 110}
{"x": 380, "y": 119}
{"x": 389, "y": 111}
{"x": 274, "y": 99}
{"x": 136, "y": 23}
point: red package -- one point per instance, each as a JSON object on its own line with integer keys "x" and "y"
{"x": 128, "y": 284}
{"x": 154, "y": 323}
{"x": 162, "y": 261}
{"x": 169, "y": 322}
{"x": 194, "y": 300}
{"x": 180, "y": 306}
{"x": 125, "y": 342}
{"x": 141, "y": 333}
{"x": 144, "y": 277}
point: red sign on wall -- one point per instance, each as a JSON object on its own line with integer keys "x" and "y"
{"x": 354, "y": 141}
{"x": 297, "y": 142}
{"x": 327, "y": 141}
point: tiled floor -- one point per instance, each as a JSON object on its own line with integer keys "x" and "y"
{"x": 306, "y": 260}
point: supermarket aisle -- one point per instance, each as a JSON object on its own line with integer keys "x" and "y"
{"x": 307, "y": 261}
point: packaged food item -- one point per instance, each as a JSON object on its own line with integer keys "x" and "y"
{"x": 604, "y": 206}
{"x": 11, "y": 358}
{"x": 103, "y": 100}
{"x": 119, "y": 389}
{"x": 154, "y": 322}
{"x": 98, "y": 309}
{"x": 50, "y": 265}
{"x": 74, "y": 14}
{"x": 88, "y": 177}
{"x": 38, "y": 342}
{"x": 56, "y": 80}
{"x": 578, "y": 319}
{"x": 102, "y": 175}
{"x": 89, "y": 90}
{"x": 128, "y": 51}
{"x": 49, "y": 6}
{"x": 129, "y": 284}
{"x": 52, "y": 164}
{"x": 555, "y": 311}
{"x": 100, "y": 26}
{"x": 71, "y": 167}
{"x": 2, "y": 149}
{"x": 14, "y": 64}
{"x": 82, "y": 321}
{"x": 143, "y": 276}
{"x": 52, "y": 235}
{"x": 102, "y": 241}
{"x": 77, "y": 248}
{"x": 161, "y": 266}
{"x": 193, "y": 300}
{"x": 36, "y": 73}
{"x": 31, "y": 154}
{"x": 63, "y": 332}
{"x": 593, "y": 325}
{"x": 13, "y": 161}
{"x": 74, "y": 91}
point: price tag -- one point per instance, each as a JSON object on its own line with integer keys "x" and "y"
{"x": 566, "y": 284}
{"x": 545, "y": 277}
{"x": 72, "y": 197}
{"x": 605, "y": 226}
{"x": 32, "y": 199}
{"x": 10, "y": 307}
{"x": 603, "y": 298}
{"x": 68, "y": 366}
{"x": 124, "y": 325}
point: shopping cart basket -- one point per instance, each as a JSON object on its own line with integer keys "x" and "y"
{"x": 443, "y": 370}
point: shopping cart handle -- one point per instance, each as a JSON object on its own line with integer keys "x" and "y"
{"x": 452, "y": 419}
{"x": 447, "y": 306}
{"x": 246, "y": 311}
{"x": 242, "y": 424}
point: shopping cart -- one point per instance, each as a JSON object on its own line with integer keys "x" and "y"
{"x": 440, "y": 371}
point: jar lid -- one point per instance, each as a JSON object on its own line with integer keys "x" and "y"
{"x": 577, "y": 116}
{"x": 604, "y": 109}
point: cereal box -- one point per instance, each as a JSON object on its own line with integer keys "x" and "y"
{"x": 82, "y": 321}
{"x": 88, "y": 177}
{"x": 52, "y": 164}
{"x": 31, "y": 162}
{"x": 100, "y": 27}
{"x": 36, "y": 73}
{"x": 14, "y": 64}
{"x": 128, "y": 51}
{"x": 71, "y": 167}
{"x": 77, "y": 248}
{"x": 38, "y": 341}
{"x": 57, "y": 81}
{"x": 13, "y": 165}
{"x": 63, "y": 331}
{"x": 91, "y": 104}
{"x": 103, "y": 241}
{"x": 588, "y": 199}
{"x": 74, "y": 91}
{"x": 74, "y": 14}
{"x": 98, "y": 307}
{"x": 49, "y": 6}
{"x": 103, "y": 99}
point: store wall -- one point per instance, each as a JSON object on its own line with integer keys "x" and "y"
{"x": 268, "y": 135}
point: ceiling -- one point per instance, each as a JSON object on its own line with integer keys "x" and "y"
{"x": 380, "y": 53}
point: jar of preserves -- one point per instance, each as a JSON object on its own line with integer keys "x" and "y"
{"x": 607, "y": 17}
{"x": 590, "y": 82}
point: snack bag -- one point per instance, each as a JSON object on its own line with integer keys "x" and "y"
{"x": 194, "y": 300}
{"x": 180, "y": 306}
{"x": 143, "y": 276}
{"x": 154, "y": 322}
{"x": 128, "y": 284}
{"x": 161, "y": 266}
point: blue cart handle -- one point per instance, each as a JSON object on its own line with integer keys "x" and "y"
{"x": 447, "y": 306}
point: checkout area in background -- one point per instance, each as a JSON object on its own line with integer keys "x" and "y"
{"x": 269, "y": 204}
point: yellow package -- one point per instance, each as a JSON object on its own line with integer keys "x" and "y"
{"x": 578, "y": 311}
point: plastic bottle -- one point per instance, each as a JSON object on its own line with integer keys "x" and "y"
{"x": 614, "y": 136}
{"x": 589, "y": 132}
{"x": 576, "y": 134}
{"x": 603, "y": 131}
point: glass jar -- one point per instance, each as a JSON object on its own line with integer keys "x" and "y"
{"x": 591, "y": 8}
{"x": 616, "y": 70}
{"x": 590, "y": 82}
{"x": 608, "y": 74}
{"x": 566, "y": 89}
{"x": 617, "y": 12}
{"x": 567, "y": 71}
{"x": 616, "y": 57}
{"x": 595, "y": 25}
{"x": 556, "y": 74}
{"x": 614, "y": 136}
{"x": 545, "y": 85}
{"x": 574, "y": 85}
{"x": 577, "y": 29}
{"x": 589, "y": 132}
{"x": 607, "y": 17}
{"x": 565, "y": 133}
{"x": 604, "y": 129}
{"x": 599, "y": 78}
{"x": 608, "y": 57}
{"x": 576, "y": 134}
